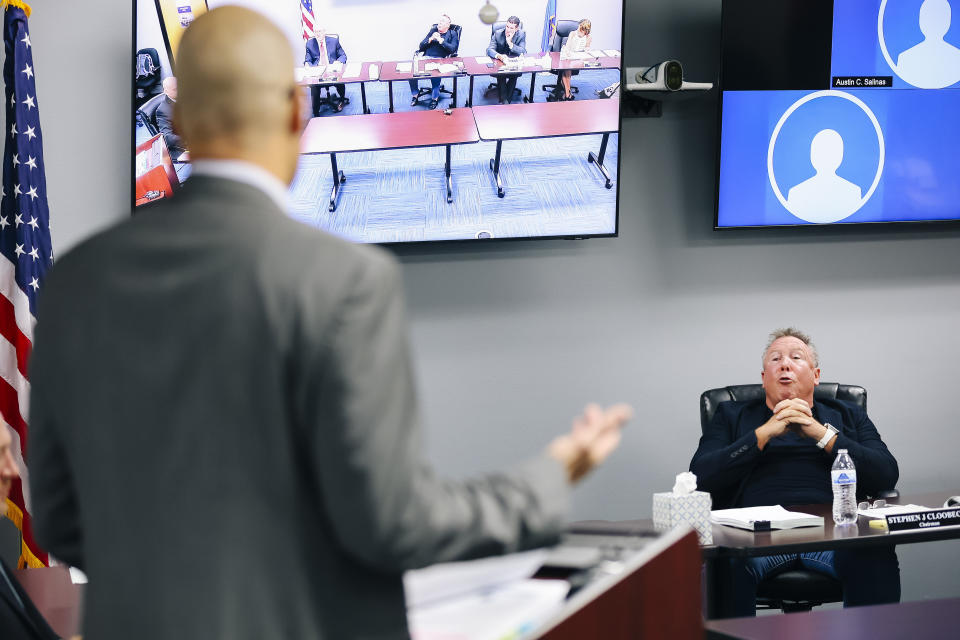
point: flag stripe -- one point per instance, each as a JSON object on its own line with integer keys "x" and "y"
{"x": 13, "y": 335}
{"x": 13, "y": 293}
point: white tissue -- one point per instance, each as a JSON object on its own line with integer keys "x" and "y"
{"x": 686, "y": 484}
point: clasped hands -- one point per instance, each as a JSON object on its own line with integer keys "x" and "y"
{"x": 792, "y": 414}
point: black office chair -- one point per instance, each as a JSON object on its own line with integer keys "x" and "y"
{"x": 493, "y": 29}
{"x": 147, "y": 74}
{"x": 146, "y": 114}
{"x": 564, "y": 29}
{"x": 795, "y": 589}
{"x": 424, "y": 91}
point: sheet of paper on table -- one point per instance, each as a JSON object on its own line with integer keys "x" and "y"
{"x": 374, "y": 72}
{"x": 352, "y": 70}
{"x": 892, "y": 510}
{"x": 509, "y": 611}
{"x": 301, "y": 73}
{"x": 451, "y": 579}
{"x": 404, "y": 67}
{"x": 596, "y": 53}
{"x": 612, "y": 53}
{"x": 483, "y": 60}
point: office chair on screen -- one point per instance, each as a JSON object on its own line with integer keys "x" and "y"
{"x": 422, "y": 91}
{"x": 493, "y": 29}
{"x": 564, "y": 29}
{"x": 795, "y": 589}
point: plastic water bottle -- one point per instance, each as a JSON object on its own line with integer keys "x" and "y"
{"x": 843, "y": 476}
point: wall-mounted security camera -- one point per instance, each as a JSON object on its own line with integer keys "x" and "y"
{"x": 645, "y": 88}
{"x": 664, "y": 77}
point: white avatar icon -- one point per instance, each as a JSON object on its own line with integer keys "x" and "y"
{"x": 934, "y": 63}
{"x": 826, "y": 197}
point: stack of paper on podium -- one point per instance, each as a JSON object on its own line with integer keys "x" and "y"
{"x": 764, "y": 518}
{"x": 484, "y": 599}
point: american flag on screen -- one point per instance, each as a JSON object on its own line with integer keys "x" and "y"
{"x": 307, "y": 19}
{"x": 26, "y": 255}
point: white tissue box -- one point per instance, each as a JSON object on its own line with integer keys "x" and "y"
{"x": 671, "y": 509}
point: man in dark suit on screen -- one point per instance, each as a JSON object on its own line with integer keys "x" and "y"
{"x": 505, "y": 43}
{"x": 19, "y": 619}
{"x": 441, "y": 42}
{"x": 164, "y": 118}
{"x": 324, "y": 49}
{"x": 224, "y": 426}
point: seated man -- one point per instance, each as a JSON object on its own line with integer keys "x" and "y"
{"x": 441, "y": 42}
{"x": 324, "y": 49}
{"x": 19, "y": 619}
{"x": 164, "y": 117}
{"x": 779, "y": 450}
{"x": 508, "y": 42}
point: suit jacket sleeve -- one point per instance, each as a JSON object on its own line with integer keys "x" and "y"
{"x": 519, "y": 44}
{"x": 451, "y": 41}
{"x": 877, "y": 469}
{"x": 312, "y": 56}
{"x": 492, "y": 47}
{"x": 339, "y": 55}
{"x": 724, "y": 456}
{"x": 56, "y": 515}
{"x": 359, "y": 409}
{"x": 426, "y": 41}
{"x": 165, "y": 125}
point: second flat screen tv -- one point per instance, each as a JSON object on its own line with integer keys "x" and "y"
{"x": 841, "y": 111}
{"x": 386, "y": 158}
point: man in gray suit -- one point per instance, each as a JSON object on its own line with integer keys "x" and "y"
{"x": 508, "y": 42}
{"x": 224, "y": 426}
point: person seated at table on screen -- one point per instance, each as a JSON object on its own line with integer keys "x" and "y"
{"x": 325, "y": 50}
{"x": 441, "y": 42}
{"x": 578, "y": 41}
{"x": 164, "y": 118}
{"x": 508, "y": 42}
{"x": 779, "y": 450}
{"x": 19, "y": 618}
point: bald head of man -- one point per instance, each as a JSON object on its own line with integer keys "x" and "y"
{"x": 236, "y": 94}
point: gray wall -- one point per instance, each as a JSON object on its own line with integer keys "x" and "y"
{"x": 512, "y": 339}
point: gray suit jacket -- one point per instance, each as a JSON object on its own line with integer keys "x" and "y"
{"x": 224, "y": 432}
{"x": 498, "y": 44}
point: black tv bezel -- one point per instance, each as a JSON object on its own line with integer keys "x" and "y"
{"x": 898, "y": 224}
{"x": 414, "y": 243}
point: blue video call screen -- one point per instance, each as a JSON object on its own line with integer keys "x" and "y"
{"x": 868, "y": 133}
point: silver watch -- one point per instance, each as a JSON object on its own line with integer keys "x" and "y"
{"x": 825, "y": 440}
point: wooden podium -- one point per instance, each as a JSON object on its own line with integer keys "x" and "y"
{"x": 651, "y": 594}
{"x": 657, "y": 595}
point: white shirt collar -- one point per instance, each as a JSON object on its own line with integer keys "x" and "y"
{"x": 247, "y": 173}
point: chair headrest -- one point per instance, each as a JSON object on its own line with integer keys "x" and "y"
{"x": 711, "y": 398}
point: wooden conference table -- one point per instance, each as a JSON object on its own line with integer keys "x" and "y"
{"x": 409, "y": 129}
{"x": 380, "y": 131}
{"x": 465, "y": 66}
{"x": 730, "y": 542}
{"x": 547, "y": 120}
{"x": 533, "y": 67}
{"x": 927, "y": 619}
{"x": 328, "y": 79}
{"x": 390, "y": 73}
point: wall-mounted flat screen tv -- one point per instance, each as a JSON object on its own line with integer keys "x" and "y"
{"x": 839, "y": 111}
{"x": 428, "y": 122}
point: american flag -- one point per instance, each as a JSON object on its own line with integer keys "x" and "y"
{"x": 307, "y": 19}
{"x": 26, "y": 255}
